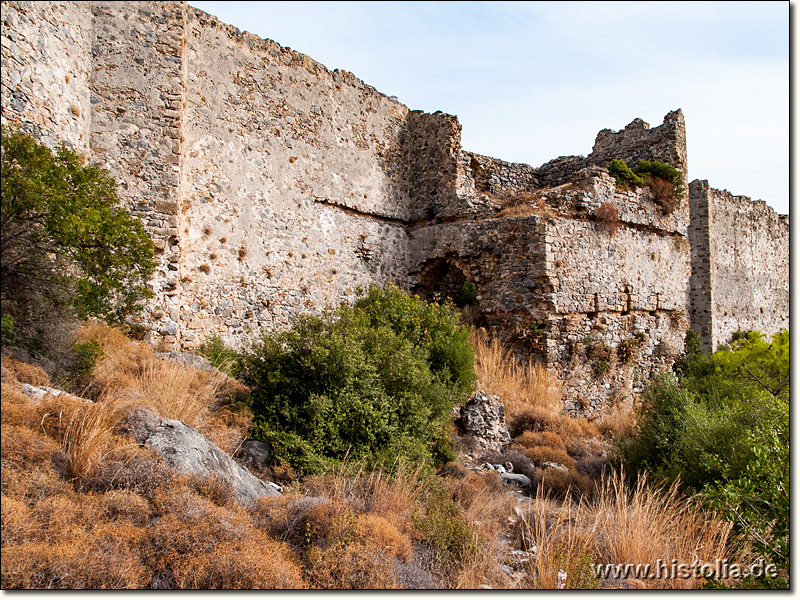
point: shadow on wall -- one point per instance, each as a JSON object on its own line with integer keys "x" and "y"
{"x": 442, "y": 278}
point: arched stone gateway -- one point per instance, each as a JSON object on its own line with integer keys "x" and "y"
{"x": 441, "y": 277}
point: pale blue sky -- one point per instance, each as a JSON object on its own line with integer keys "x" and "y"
{"x": 531, "y": 81}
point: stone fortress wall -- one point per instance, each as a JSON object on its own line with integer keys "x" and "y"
{"x": 272, "y": 186}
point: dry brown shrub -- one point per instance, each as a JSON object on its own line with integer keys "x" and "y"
{"x": 16, "y": 516}
{"x": 135, "y": 469}
{"x": 538, "y": 419}
{"x": 214, "y": 488}
{"x": 24, "y": 448}
{"x": 344, "y": 550}
{"x": 619, "y": 421}
{"x": 104, "y": 563}
{"x": 542, "y": 454}
{"x": 14, "y": 370}
{"x": 395, "y": 495}
{"x": 521, "y": 387}
{"x": 126, "y": 506}
{"x": 326, "y": 520}
{"x": 351, "y": 567}
{"x": 256, "y": 562}
{"x": 32, "y": 483}
{"x": 544, "y": 438}
{"x": 564, "y": 484}
{"x": 284, "y": 517}
{"x": 607, "y": 218}
{"x": 16, "y": 408}
{"x": 59, "y": 517}
{"x": 377, "y": 533}
{"x": 663, "y": 194}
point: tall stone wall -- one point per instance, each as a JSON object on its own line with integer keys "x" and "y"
{"x": 46, "y": 65}
{"x": 740, "y": 270}
{"x": 295, "y": 185}
{"x": 137, "y": 109}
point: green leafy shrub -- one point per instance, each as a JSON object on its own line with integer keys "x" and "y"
{"x": 661, "y": 419}
{"x": 622, "y": 173}
{"x": 374, "y": 380}
{"x": 665, "y": 181}
{"x": 65, "y": 242}
{"x": 443, "y": 526}
{"x": 87, "y": 355}
{"x": 8, "y": 330}
{"x": 468, "y": 295}
{"x": 221, "y": 356}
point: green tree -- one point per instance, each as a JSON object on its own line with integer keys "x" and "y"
{"x": 374, "y": 380}
{"x": 65, "y": 242}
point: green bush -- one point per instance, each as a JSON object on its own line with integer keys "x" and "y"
{"x": 221, "y": 356}
{"x": 64, "y": 239}
{"x": 444, "y": 528}
{"x": 468, "y": 295}
{"x": 8, "y": 330}
{"x": 375, "y": 380}
{"x": 624, "y": 176}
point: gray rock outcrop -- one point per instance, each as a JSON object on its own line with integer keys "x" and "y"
{"x": 186, "y": 450}
{"x": 484, "y": 417}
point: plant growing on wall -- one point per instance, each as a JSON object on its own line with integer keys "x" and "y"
{"x": 607, "y": 217}
{"x": 665, "y": 181}
{"x": 624, "y": 176}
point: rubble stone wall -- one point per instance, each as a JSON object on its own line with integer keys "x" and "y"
{"x": 746, "y": 262}
{"x": 46, "y": 65}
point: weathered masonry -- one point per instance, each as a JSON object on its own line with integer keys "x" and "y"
{"x": 272, "y": 186}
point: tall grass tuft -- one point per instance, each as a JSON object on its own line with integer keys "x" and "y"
{"x": 638, "y": 525}
{"x": 129, "y": 371}
{"x": 521, "y": 387}
{"x": 88, "y": 438}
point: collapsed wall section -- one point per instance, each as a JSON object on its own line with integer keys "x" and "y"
{"x": 743, "y": 263}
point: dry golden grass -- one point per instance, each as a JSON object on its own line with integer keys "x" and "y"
{"x": 14, "y": 370}
{"x": 619, "y": 421}
{"x": 128, "y": 371}
{"x": 518, "y": 210}
{"x": 88, "y": 438}
{"x": 521, "y": 387}
{"x": 621, "y": 525}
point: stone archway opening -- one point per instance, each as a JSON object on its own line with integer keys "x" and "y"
{"x": 442, "y": 278}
